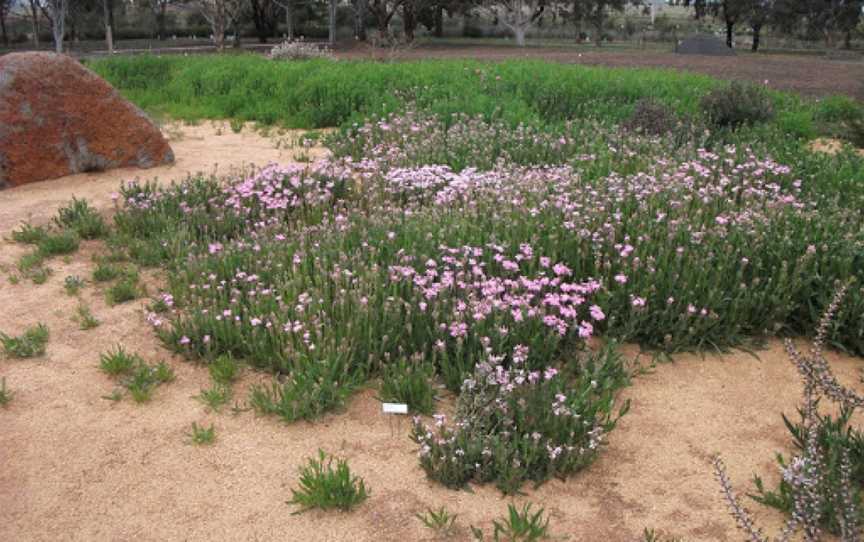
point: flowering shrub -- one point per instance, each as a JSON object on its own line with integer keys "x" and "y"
{"x": 821, "y": 485}
{"x": 513, "y": 424}
{"x": 428, "y": 240}
{"x": 300, "y": 50}
{"x": 477, "y": 300}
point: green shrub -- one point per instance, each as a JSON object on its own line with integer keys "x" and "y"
{"x": 307, "y": 393}
{"x": 839, "y": 109}
{"x": 30, "y": 344}
{"x": 736, "y": 105}
{"x": 224, "y": 370}
{"x": 79, "y": 217}
{"x": 411, "y": 383}
{"x": 652, "y": 117}
{"x": 797, "y": 124}
{"x": 325, "y": 487}
{"x": 106, "y": 271}
{"x": 125, "y": 289}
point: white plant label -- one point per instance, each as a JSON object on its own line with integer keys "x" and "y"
{"x": 394, "y": 408}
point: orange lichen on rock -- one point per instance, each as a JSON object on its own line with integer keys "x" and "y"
{"x": 58, "y": 118}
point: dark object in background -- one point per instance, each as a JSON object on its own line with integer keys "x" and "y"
{"x": 703, "y": 44}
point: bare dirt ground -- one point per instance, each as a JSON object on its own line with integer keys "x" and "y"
{"x": 75, "y": 466}
{"x": 809, "y": 75}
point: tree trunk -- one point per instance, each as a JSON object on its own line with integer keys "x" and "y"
{"x": 383, "y": 24}
{"x": 847, "y": 40}
{"x": 58, "y": 24}
{"x": 160, "y": 20}
{"x": 730, "y": 27}
{"x": 519, "y": 33}
{"x": 35, "y": 20}
{"x": 360, "y": 20}
{"x": 409, "y": 20}
{"x": 3, "y": 28}
{"x": 289, "y": 18}
{"x": 757, "y": 31}
{"x": 109, "y": 37}
{"x": 439, "y": 22}
{"x": 332, "y": 21}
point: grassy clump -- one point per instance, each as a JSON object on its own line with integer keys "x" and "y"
{"x": 106, "y": 271}
{"x": 73, "y": 284}
{"x": 325, "y": 487}
{"x": 62, "y": 242}
{"x": 125, "y": 289}
{"x": 519, "y": 525}
{"x": 216, "y": 397}
{"x": 118, "y": 361}
{"x": 441, "y": 521}
{"x": 29, "y": 234}
{"x": 85, "y": 318}
{"x": 224, "y": 370}
{"x": 138, "y": 377}
{"x": 310, "y": 391}
{"x": 30, "y": 344}
{"x": 198, "y": 434}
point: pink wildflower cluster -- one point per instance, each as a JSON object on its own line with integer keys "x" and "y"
{"x": 471, "y": 287}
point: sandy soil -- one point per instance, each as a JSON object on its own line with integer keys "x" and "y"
{"x": 74, "y": 466}
{"x": 830, "y": 146}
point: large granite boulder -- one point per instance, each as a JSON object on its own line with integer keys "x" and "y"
{"x": 58, "y": 118}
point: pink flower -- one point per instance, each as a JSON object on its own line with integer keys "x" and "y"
{"x": 586, "y": 330}
{"x": 458, "y": 329}
{"x": 621, "y": 278}
{"x": 562, "y": 270}
{"x": 597, "y": 313}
